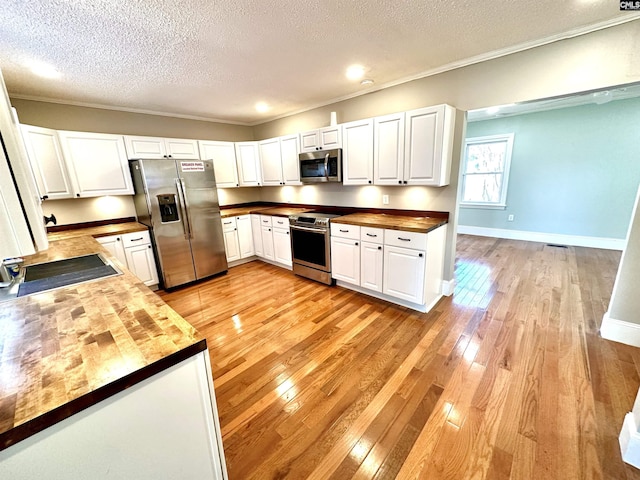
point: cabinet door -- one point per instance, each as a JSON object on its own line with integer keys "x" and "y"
{"x": 330, "y": 137}
{"x": 282, "y": 246}
{"x": 245, "y": 237}
{"x": 142, "y": 264}
{"x": 289, "y": 150}
{"x": 428, "y": 141}
{"x": 371, "y": 262}
{"x": 388, "y": 150}
{"x": 357, "y": 153}
{"x": 47, "y": 162}
{"x": 182, "y": 149}
{"x": 310, "y": 141}
{"x": 113, "y": 243}
{"x": 97, "y": 163}
{"x": 248, "y": 160}
{"x": 271, "y": 161}
{"x": 256, "y": 232}
{"x": 267, "y": 243}
{"x": 223, "y": 155}
{"x": 403, "y": 273}
{"x": 231, "y": 245}
{"x": 345, "y": 260}
{"x": 145, "y": 147}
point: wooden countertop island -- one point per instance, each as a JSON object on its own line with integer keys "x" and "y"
{"x": 64, "y": 350}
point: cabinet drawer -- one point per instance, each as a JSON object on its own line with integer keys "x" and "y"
{"x": 135, "y": 238}
{"x": 345, "y": 231}
{"x": 400, "y": 238}
{"x": 265, "y": 220}
{"x": 373, "y": 235}
{"x": 280, "y": 222}
{"x": 228, "y": 224}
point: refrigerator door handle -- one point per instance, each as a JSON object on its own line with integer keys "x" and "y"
{"x": 187, "y": 207}
{"x": 183, "y": 209}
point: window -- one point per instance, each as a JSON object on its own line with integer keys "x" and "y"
{"x": 485, "y": 171}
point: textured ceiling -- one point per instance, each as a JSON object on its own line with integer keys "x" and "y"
{"x": 216, "y": 59}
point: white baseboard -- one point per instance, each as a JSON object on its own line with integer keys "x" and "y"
{"x": 620, "y": 331}
{"x": 629, "y": 440}
{"x": 448, "y": 286}
{"x": 556, "y": 238}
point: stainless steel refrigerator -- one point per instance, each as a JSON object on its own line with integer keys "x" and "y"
{"x": 178, "y": 201}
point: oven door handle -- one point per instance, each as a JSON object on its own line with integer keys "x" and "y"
{"x": 308, "y": 229}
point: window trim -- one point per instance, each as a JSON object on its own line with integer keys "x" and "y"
{"x": 502, "y": 203}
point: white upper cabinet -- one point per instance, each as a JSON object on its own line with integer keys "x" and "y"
{"x": 326, "y": 138}
{"x": 428, "y": 145}
{"x": 279, "y": 160}
{"x": 248, "y": 160}
{"x": 289, "y": 150}
{"x": 47, "y": 162}
{"x": 388, "y": 150}
{"x": 97, "y": 163}
{"x": 271, "y": 161}
{"x": 223, "y": 155}
{"x": 357, "y": 152}
{"x": 157, "y": 147}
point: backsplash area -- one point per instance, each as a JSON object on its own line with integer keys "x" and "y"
{"x": 82, "y": 210}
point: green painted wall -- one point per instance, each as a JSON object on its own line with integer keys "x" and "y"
{"x": 574, "y": 171}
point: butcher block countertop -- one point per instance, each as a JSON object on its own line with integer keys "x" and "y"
{"x": 274, "y": 211}
{"x": 67, "y": 349}
{"x": 101, "y": 231}
{"x": 393, "y": 222}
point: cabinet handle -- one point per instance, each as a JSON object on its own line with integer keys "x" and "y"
{"x": 78, "y": 195}
{"x": 44, "y": 197}
{"x": 227, "y": 223}
{"x": 371, "y": 235}
{"x": 137, "y": 239}
{"x": 344, "y": 231}
{"x": 405, "y": 182}
{"x": 400, "y": 182}
{"x": 118, "y": 239}
{"x": 369, "y": 181}
{"x": 356, "y": 244}
{"x": 149, "y": 246}
{"x": 420, "y": 255}
{"x": 404, "y": 239}
{"x": 379, "y": 248}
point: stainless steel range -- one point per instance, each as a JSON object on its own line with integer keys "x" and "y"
{"x": 311, "y": 245}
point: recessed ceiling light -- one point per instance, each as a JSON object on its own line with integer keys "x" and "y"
{"x": 262, "y": 107}
{"x": 44, "y": 70}
{"x": 355, "y": 72}
{"x": 366, "y": 82}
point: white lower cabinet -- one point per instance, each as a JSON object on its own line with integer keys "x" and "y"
{"x": 238, "y": 237}
{"x": 371, "y": 263}
{"x": 230, "y": 234}
{"x": 267, "y": 243}
{"x": 166, "y": 426}
{"x": 395, "y": 265}
{"x": 256, "y": 233}
{"x": 404, "y": 273}
{"x": 134, "y": 251}
{"x": 245, "y": 236}
{"x": 345, "y": 260}
{"x": 282, "y": 246}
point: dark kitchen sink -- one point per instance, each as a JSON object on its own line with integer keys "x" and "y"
{"x": 47, "y": 276}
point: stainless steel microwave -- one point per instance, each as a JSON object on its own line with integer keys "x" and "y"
{"x": 321, "y": 166}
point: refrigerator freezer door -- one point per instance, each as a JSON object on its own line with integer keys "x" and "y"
{"x": 169, "y": 229}
{"x": 201, "y": 198}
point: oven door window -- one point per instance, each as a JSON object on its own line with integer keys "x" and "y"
{"x": 309, "y": 247}
{"x": 312, "y": 169}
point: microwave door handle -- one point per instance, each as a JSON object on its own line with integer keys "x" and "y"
{"x": 326, "y": 166}
{"x": 183, "y": 210}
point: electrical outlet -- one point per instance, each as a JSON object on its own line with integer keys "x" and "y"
{"x": 510, "y": 218}
{"x": 385, "y": 199}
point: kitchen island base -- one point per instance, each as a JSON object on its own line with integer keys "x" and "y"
{"x": 165, "y": 427}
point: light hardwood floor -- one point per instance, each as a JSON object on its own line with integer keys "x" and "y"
{"x": 506, "y": 379}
